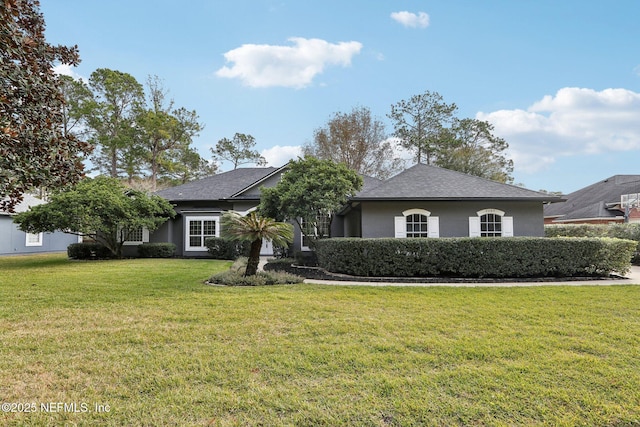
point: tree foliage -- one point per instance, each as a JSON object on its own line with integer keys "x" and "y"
{"x": 358, "y": 140}
{"x": 77, "y": 102}
{"x": 164, "y": 130}
{"x": 469, "y": 146}
{"x": 34, "y": 151}
{"x": 101, "y": 208}
{"x": 428, "y": 127}
{"x": 238, "y": 151}
{"x": 311, "y": 190}
{"x": 419, "y": 123}
{"x": 111, "y": 117}
{"x": 136, "y": 136}
{"x": 255, "y": 228}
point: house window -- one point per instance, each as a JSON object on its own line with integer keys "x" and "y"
{"x": 417, "y": 223}
{"x": 491, "y": 223}
{"x": 135, "y": 236}
{"x": 33, "y": 239}
{"x": 197, "y": 231}
{"x": 310, "y": 230}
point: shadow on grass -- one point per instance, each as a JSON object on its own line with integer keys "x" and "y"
{"x": 18, "y": 262}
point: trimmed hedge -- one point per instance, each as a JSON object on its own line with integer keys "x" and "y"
{"x": 475, "y": 257}
{"x": 156, "y": 250}
{"x": 221, "y": 248}
{"x": 87, "y": 250}
{"x": 617, "y": 231}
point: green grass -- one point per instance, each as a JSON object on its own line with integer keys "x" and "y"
{"x": 147, "y": 338}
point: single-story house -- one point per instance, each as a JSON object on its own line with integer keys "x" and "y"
{"x": 15, "y": 241}
{"x": 612, "y": 200}
{"x": 422, "y": 201}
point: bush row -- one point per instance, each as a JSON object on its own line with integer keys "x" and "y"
{"x": 617, "y": 231}
{"x": 475, "y": 257}
{"x": 88, "y": 250}
{"x": 221, "y": 248}
{"x": 156, "y": 250}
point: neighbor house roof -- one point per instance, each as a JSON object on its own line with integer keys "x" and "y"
{"x": 426, "y": 182}
{"x": 596, "y": 201}
{"x": 217, "y": 187}
{"x": 27, "y": 201}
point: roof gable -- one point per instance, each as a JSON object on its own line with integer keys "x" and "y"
{"x": 217, "y": 187}
{"x": 426, "y": 182}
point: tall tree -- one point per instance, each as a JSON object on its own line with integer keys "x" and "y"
{"x": 469, "y": 146}
{"x": 419, "y": 123}
{"x": 118, "y": 97}
{"x": 358, "y": 140}
{"x": 238, "y": 151}
{"x": 77, "y": 104}
{"x": 164, "y": 129}
{"x": 255, "y": 228}
{"x": 34, "y": 151}
{"x": 310, "y": 193}
{"x": 102, "y": 208}
{"x": 186, "y": 164}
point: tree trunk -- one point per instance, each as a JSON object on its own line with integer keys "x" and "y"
{"x": 254, "y": 258}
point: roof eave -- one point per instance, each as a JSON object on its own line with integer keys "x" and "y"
{"x": 456, "y": 199}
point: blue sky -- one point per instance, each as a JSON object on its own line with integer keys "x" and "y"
{"x": 559, "y": 80}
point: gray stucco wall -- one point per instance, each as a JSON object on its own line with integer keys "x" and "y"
{"x": 173, "y": 231}
{"x": 378, "y": 217}
{"x": 13, "y": 241}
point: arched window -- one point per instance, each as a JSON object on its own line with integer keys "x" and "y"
{"x": 491, "y": 223}
{"x": 417, "y": 223}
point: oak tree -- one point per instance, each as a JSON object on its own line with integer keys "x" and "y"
{"x": 358, "y": 140}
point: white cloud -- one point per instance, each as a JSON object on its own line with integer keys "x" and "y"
{"x": 279, "y": 155}
{"x": 574, "y": 121}
{"x": 288, "y": 66}
{"x": 68, "y": 70}
{"x": 412, "y": 20}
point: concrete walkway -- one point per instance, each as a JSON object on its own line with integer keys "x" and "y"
{"x": 632, "y": 278}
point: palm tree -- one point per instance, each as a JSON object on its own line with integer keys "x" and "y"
{"x": 255, "y": 228}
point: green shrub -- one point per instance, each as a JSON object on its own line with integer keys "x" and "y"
{"x": 279, "y": 264}
{"x": 221, "y": 248}
{"x": 88, "y": 250}
{"x": 617, "y": 231}
{"x": 156, "y": 250}
{"x": 475, "y": 257}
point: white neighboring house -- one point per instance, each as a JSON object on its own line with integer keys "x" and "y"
{"x": 15, "y": 241}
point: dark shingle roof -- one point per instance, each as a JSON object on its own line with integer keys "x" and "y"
{"x": 426, "y": 182}
{"x": 216, "y": 187}
{"x": 591, "y": 201}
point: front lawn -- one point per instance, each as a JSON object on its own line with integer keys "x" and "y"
{"x": 148, "y": 339}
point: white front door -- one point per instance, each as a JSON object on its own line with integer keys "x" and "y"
{"x": 267, "y": 248}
